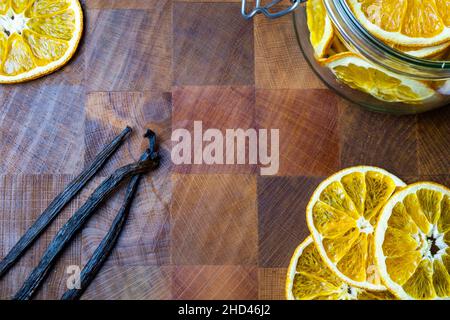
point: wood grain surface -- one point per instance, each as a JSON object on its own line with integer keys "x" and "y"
{"x": 195, "y": 231}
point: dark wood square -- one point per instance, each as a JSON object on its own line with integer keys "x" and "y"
{"x": 282, "y": 217}
{"x": 129, "y": 49}
{"x": 212, "y": 45}
{"x": 377, "y": 139}
{"x": 307, "y": 123}
{"x": 222, "y": 108}
{"x": 434, "y": 142}
{"x": 41, "y": 129}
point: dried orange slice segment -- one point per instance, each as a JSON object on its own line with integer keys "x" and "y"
{"x": 412, "y": 242}
{"x": 358, "y": 73}
{"x": 342, "y": 215}
{"x": 37, "y": 37}
{"x": 405, "y": 22}
{"x": 309, "y": 278}
{"x": 320, "y": 27}
{"x": 425, "y": 52}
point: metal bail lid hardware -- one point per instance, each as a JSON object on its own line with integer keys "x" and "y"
{"x": 265, "y": 9}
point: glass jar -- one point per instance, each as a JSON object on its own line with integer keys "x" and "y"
{"x": 434, "y": 74}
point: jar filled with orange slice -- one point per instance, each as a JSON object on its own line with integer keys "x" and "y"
{"x": 389, "y": 56}
{"x": 386, "y": 55}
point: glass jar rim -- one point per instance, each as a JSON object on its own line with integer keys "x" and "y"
{"x": 377, "y": 51}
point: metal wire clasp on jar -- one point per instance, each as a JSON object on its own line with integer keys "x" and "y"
{"x": 268, "y": 9}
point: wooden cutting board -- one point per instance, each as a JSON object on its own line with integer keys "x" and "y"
{"x": 195, "y": 232}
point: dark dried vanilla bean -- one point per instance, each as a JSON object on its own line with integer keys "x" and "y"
{"x": 58, "y": 204}
{"x": 109, "y": 241}
{"x": 148, "y": 161}
{"x": 106, "y": 246}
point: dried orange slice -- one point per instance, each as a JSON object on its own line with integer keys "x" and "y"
{"x": 342, "y": 215}
{"x": 412, "y": 242}
{"x": 37, "y": 37}
{"x": 308, "y": 278}
{"x": 358, "y": 73}
{"x": 405, "y": 22}
{"x": 320, "y": 27}
{"x": 425, "y": 52}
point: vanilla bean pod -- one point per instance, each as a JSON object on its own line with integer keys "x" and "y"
{"x": 106, "y": 246}
{"x": 76, "y": 222}
{"x": 58, "y": 204}
{"x": 109, "y": 241}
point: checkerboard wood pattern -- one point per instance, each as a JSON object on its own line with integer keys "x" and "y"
{"x": 195, "y": 232}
